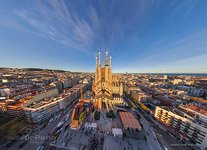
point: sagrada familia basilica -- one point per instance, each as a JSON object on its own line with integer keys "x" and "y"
{"x": 107, "y": 87}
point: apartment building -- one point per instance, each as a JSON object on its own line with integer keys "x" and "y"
{"x": 39, "y": 110}
{"x": 190, "y": 129}
{"x": 140, "y": 96}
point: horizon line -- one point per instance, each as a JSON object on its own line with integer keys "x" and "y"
{"x": 94, "y": 71}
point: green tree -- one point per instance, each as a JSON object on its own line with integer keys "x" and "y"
{"x": 82, "y": 117}
{"x": 111, "y": 114}
{"x": 97, "y": 115}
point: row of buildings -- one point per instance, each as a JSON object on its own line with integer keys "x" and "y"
{"x": 187, "y": 122}
{"x": 177, "y": 101}
{"x": 37, "y": 93}
{"x": 39, "y": 110}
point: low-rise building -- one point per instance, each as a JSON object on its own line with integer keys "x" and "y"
{"x": 41, "y": 108}
{"x": 117, "y": 132}
{"x": 90, "y": 126}
{"x": 129, "y": 121}
{"x": 140, "y": 96}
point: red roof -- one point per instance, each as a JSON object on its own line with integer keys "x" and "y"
{"x": 129, "y": 121}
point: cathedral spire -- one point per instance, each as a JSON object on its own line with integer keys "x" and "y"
{"x": 106, "y": 60}
{"x": 96, "y": 74}
{"x": 99, "y": 58}
{"x": 110, "y": 61}
{"x": 96, "y": 62}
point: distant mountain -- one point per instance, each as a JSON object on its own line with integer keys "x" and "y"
{"x": 36, "y": 69}
{"x": 40, "y": 69}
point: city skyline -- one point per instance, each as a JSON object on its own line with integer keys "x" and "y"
{"x": 145, "y": 36}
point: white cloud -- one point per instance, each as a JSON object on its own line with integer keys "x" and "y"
{"x": 56, "y": 21}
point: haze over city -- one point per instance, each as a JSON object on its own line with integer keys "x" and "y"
{"x": 142, "y": 36}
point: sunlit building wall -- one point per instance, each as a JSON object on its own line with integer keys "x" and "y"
{"x": 182, "y": 125}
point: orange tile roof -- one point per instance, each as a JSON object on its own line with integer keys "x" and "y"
{"x": 201, "y": 100}
{"x": 129, "y": 121}
{"x": 74, "y": 124}
{"x": 197, "y": 109}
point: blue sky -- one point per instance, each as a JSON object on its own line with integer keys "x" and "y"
{"x": 141, "y": 35}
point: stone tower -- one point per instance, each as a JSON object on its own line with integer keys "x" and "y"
{"x": 103, "y": 78}
{"x": 105, "y": 84}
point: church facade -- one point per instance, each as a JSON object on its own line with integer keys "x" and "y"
{"x": 107, "y": 87}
